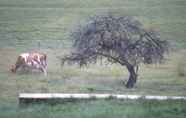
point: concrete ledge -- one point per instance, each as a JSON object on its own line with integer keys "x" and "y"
{"x": 25, "y": 98}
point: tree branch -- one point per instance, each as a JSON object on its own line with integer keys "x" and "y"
{"x": 116, "y": 59}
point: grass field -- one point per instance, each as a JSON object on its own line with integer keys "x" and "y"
{"x": 26, "y": 23}
{"x": 99, "y": 109}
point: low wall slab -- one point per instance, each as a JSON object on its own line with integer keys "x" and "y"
{"x": 25, "y": 98}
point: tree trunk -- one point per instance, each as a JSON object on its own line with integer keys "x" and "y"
{"x": 132, "y": 77}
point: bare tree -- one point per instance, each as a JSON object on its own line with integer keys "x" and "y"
{"x": 121, "y": 40}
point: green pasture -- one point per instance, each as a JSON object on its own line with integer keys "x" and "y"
{"x": 99, "y": 109}
{"x": 45, "y": 25}
{"x": 22, "y": 20}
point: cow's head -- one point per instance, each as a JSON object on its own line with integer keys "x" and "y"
{"x": 13, "y": 69}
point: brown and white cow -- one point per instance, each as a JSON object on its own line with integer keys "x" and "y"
{"x": 33, "y": 60}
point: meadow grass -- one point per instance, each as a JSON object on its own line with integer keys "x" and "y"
{"x": 22, "y": 20}
{"x": 99, "y": 109}
{"x": 45, "y": 25}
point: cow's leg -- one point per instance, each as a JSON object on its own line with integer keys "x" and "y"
{"x": 43, "y": 69}
{"x": 25, "y": 68}
{"x": 44, "y": 65}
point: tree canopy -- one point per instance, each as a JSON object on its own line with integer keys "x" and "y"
{"x": 122, "y": 40}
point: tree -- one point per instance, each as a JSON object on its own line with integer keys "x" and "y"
{"x": 121, "y": 40}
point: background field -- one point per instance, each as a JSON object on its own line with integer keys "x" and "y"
{"x": 28, "y": 25}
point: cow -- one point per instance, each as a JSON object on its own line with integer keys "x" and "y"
{"x": 32, "y": 60}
